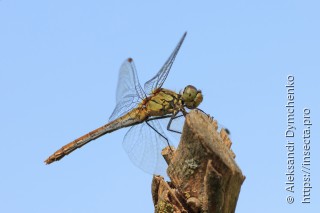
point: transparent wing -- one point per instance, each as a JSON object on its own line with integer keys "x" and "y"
{"x": 129, "y": 91}
{"x": 160, "y": 77}
{"x": 176, "y": 125}
{"x": 177, "y": 122}
{"x": 144, "y": 145}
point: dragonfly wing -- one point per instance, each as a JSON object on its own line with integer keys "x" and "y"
{"x": 176, "y": 126}
{"x": 144, "y": 145}
{"x": 129, "y": 91}
{"x": 158, "y": 80}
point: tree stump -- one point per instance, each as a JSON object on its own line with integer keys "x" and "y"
{"x": 204, "y": 175}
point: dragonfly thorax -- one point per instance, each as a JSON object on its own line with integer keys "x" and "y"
{"x": 162, "y": 102}
{"x": 191, "y": 97}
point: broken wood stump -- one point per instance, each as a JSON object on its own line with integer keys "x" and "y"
{"x": 204, "y": 175}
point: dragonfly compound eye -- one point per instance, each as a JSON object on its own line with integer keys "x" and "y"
{"x": 198, "y": 99}
{"x": 189, "y": 93}
{"x": 191, "y": 97}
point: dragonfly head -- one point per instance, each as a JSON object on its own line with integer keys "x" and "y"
{"x": 191, "y": 97}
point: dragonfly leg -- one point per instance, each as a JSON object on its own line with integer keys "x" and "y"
{"x": 174, "y": 116}
{"x": 226, "y": 129}
{"x": 159, "y": 133}
{"x": 157, "y": 118}
{"x": 204, "y": 112}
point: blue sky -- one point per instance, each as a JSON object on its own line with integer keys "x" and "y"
{"x": 59, "y": 63}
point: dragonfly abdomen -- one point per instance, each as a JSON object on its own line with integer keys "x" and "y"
{"x": 133, "y": 117}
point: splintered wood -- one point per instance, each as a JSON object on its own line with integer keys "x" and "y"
{"x": 204, "y": 175}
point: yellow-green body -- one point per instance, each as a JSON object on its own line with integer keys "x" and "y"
{"x": 160, "y": 103}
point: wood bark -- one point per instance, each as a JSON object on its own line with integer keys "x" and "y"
{"x": 204, "y": 175}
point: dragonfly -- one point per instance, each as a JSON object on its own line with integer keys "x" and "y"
{"x": 141, "y": 109}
